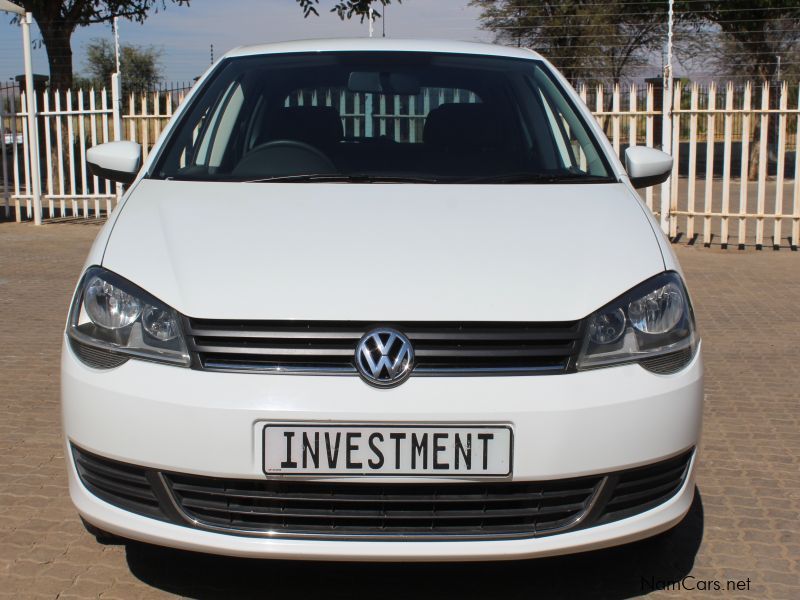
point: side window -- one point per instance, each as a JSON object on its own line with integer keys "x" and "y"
{"x": 217, "y": 131}
{"x": 189, "y": 147}
{"x": 576, "y": 149}
{"x": 565, "y": 143}
{"x": 206, "y": 137}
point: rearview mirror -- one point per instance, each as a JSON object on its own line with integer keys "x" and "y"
{"x": 373, "y": 82}
{"x": 647, "y": 166}
{"x": 117, "y": 161}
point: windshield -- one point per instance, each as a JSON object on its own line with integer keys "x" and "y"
{"x": 382, "y": 116}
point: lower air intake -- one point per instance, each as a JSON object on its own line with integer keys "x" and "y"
{"x": 418, "y": 510}
{"x": 121, "y": 484}
{"x": 374, "y": 511}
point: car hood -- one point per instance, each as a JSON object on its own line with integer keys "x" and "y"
{"x": 383, "y": 252}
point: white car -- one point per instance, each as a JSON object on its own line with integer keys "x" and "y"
{"x": 382, "y": 300}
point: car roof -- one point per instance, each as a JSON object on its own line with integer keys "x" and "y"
{"x": 384, "y": 45}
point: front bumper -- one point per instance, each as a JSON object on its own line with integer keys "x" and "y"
{"x": 209, "y": 424}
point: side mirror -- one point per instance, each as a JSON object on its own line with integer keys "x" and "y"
{"x": 647, "y": 166}
{"x": 117, "y": 161}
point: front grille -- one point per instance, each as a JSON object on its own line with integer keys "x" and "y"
{"x": 409, "y": 511}
{"x": 473, "y": 510}
{"x": 329, "y": 347}
{"x": 120, "y": 484}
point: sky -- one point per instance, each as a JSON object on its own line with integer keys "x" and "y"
{"x": 183, "y": 35}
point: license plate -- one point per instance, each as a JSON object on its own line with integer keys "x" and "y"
{"x": 304, "y": 449}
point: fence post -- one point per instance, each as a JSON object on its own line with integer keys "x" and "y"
{"x": 648, "y": 137}
{"x": 676, "y": 147}
{"x": 3, "y": 158}
{"x": 33, "y": 130}
{"x": 796, "y": 197}
{"x": 691, "y": 191}
{"x": 15, "y": 159}
{"x": 762, "y": 165}
{"x": 744, "y": 172}
{"x": 726, "y": 164}
{"x": 783, "y": 105}
{"x": 615, "y": 124}
{"x": 711, "y": 123}
{"x": 666, "y": 146}
{"x": 48, "y": 153}
{"x": 632, "y": 118}
{"x": 26, "y": 158}
{"x": 116, "y": 117}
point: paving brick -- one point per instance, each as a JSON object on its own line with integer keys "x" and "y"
{"x": 748, "y": 474}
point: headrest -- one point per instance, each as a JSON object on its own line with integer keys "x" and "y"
{"x": 463, "y": 126}
{"x": 315, "y": 125}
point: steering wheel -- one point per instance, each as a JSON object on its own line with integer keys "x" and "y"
{"x": 278, "y": 157}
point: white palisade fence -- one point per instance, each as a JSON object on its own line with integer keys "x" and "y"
{"x": 69, "y": 124}
{"x": 154, "y": 112}
{"x": 719, "y": 134}
{"x": 66, "y": 179}
{"x": 736, "y": 148}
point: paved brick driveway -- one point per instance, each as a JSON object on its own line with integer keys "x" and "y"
{"x": 744, "y": 524}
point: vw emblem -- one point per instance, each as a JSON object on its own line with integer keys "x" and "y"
{"x": 384, "y": 357}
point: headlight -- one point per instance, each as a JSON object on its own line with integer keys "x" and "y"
{"x": 652, "y": 324}
{"x": 112, "y": 320}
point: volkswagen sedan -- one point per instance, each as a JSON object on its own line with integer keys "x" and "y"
{"x": 381, "y": 300}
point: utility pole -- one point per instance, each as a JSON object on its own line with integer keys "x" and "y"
{"x": 26, "y": 19}
{"x": 115, "y": 26}
{"x": 371, "y": 21}
{"x": 116, "y": 88}
{"x": 666, "y": 124}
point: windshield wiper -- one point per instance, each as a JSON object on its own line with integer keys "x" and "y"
{"x": 333, "y": 178}
{"x": 539, "y": 178}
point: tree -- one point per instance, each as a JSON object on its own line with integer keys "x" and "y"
{"x": 139, "y": 66}
{"x": 752, "y": 34}
{"x": 346, "y": 9}
{"x": 585, "y": 39}
{"x": 58, "y": 19}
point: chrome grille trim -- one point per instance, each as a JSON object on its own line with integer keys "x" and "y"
{"x": 328, "y": 347}
{"x": 276, "y": 369}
